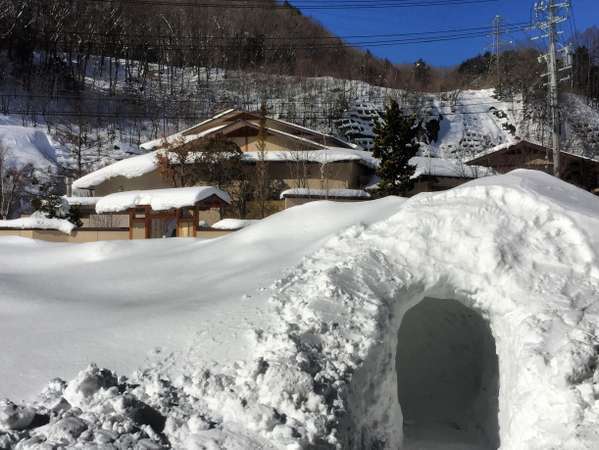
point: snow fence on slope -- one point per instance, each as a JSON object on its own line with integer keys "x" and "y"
{"x": 520, "y": 250}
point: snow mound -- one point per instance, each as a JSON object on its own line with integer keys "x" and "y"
{"x": 521, "y": 250}
{"x": 27, "y": 146}
{"x": 39, "y": 221}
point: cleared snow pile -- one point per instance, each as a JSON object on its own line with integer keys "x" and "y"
{"x": 39, "y": 221}
{"x": 233, "y": 224}
{"x": 508, "y": 266}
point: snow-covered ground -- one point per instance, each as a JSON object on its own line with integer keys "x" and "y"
{"x": 285, "y": 334}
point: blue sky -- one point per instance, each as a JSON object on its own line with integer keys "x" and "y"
{"x": 407, "y": 20}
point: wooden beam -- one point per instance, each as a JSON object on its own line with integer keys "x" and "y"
{"x": 196, "y": 220}
{"x": 148, "y": 222}
{"x": 131, "y": 222}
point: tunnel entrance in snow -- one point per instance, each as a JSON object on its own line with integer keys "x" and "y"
{"x": 447, "y": 375}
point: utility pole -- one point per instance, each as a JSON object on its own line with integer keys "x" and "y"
{"x": 548, "y": 19}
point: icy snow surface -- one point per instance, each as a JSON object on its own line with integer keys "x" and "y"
{"x": 39, "y": 221}
{"x": 284, "y": 335}
{"x": 158, "y": 199}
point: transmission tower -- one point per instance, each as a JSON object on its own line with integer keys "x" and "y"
{"x": 549, "y": 14}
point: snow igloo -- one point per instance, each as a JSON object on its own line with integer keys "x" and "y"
{"x": 467, "y": 320}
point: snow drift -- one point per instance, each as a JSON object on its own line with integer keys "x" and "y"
{"x": 320, "y": 361}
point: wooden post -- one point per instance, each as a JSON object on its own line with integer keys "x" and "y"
{"x": 178, "y": 220}
{"x": 148, "y": 222}
{"x": 196, "y": 219}
{"x": 131, "y": 222}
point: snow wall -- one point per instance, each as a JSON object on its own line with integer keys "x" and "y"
{"x": 520, "y": 250}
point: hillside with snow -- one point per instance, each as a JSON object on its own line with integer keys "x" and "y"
{"x": 285, "y": 334}
{"x": 112, "y": 116}
{"x": 27, "y": 145}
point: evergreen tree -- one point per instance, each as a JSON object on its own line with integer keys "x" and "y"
{"x": 422, "y": 73}
{"x": 395, "y": 144}
{"x": 54, "y": 205}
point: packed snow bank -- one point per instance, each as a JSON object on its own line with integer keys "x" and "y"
{"x": 316, "y": 367}
{"x": 159, "y": 199}
{"x": 520, "y": 249}
{"x": 27, "y": 146}
{"x": 39, "y": 221}
{"x": 120, "y": 303}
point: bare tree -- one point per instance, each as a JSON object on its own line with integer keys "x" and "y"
{"x": 13, "y": 184}
{"x": 262, "y": 178}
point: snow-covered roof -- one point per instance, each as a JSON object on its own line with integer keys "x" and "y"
{"x": 497, "y": 148}
{"x": 82, "y": 201}
{"x": 182, "y": 137}
{"x": 146, "y": 163}
{"x": 447, "y": 168}
{"x": 128, "y": 168}
{"x": 158, "y": 199}
{"x": 39, "y": 221}
{"x": 516, "y": 141}
{"x": 325, "y": 193}
{"x": 325, "y": 156}
{"x": 233, "y": 224}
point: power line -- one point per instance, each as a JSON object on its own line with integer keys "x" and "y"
{"x": 302, "y": 4}
{"x": 273, "y": 101}
{"x": 486, "y": 29}
{"x": 125, "y": 116}
{"x": 317, "y": 46}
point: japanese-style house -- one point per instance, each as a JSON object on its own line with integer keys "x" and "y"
{"x": 578, "y": 170}
{"x": 160, "y": 213}
{"x": 303, "y": 165}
